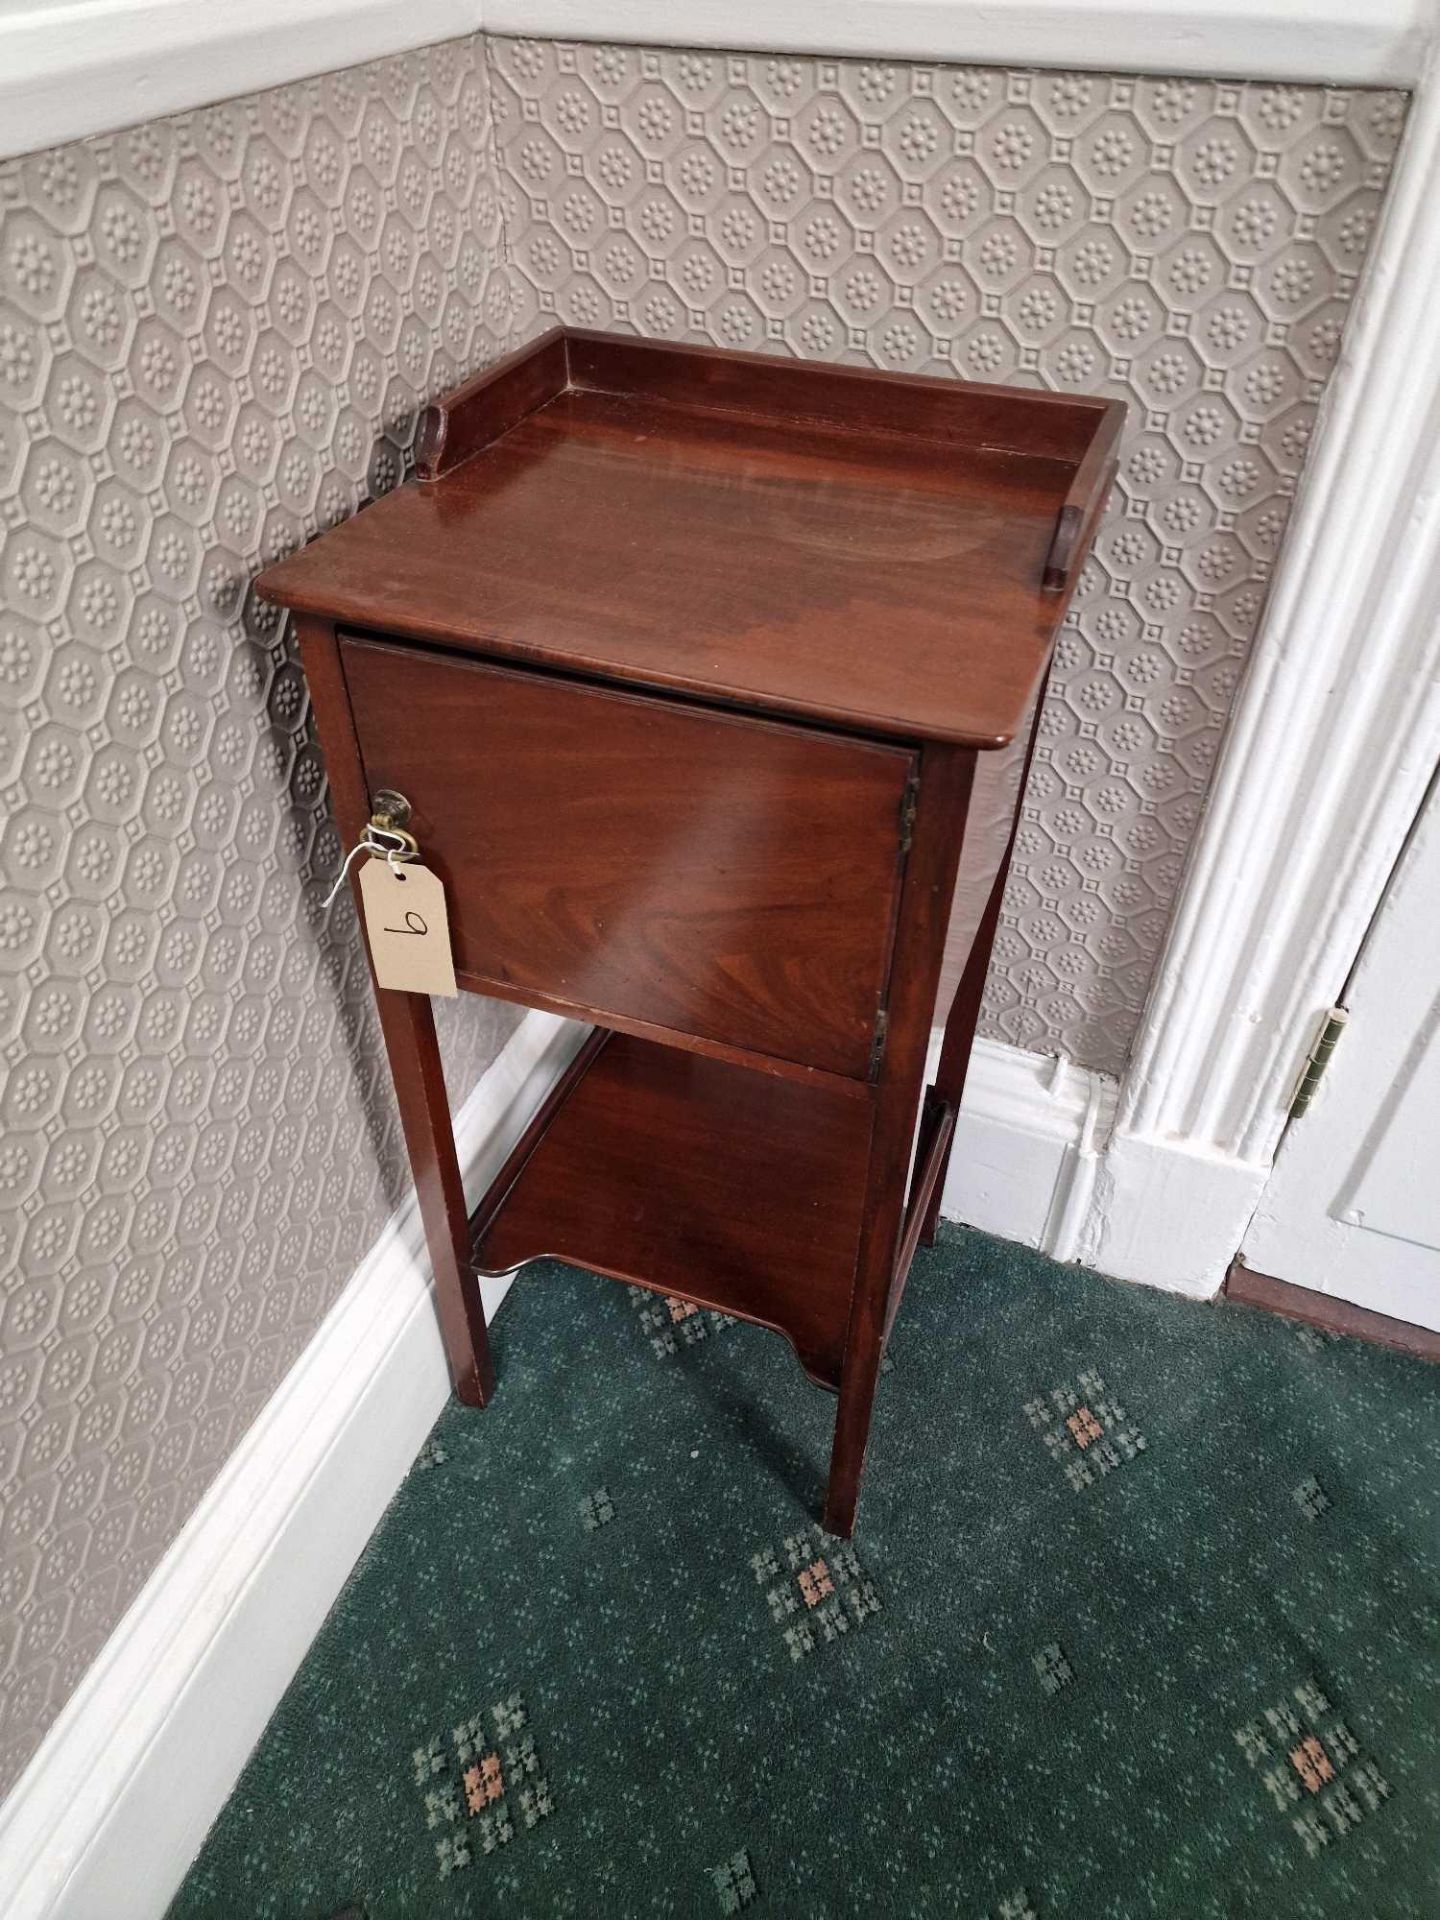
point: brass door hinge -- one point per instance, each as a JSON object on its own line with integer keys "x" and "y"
{"x": 877, "y": 1043}
{"x": 1318, "y": 1059}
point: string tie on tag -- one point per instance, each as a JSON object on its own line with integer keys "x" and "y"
{"x": 402, "y": 847}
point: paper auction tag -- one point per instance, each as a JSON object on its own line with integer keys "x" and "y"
{"x": 407, "y": 927}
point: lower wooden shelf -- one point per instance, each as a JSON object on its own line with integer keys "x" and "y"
{"x": 733, "y": 1189}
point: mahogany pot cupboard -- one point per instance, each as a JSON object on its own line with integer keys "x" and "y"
{"x": 676, "y": 663}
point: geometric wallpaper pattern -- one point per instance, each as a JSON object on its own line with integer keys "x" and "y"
{"x": 215, "y": 334}
{"x": 1188, "y": 247}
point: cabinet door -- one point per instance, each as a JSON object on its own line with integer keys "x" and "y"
{"x": 644, "y": 862}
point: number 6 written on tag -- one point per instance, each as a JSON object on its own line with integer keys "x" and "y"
{"x": 407, "y": 927}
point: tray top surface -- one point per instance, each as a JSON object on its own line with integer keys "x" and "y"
{"x": 880, "y": 581}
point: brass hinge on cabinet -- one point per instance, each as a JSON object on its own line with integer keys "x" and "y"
{"x": 877, "y": 1043}
{"x": 907, "y": 813}
{"x": 1318, "y": 1059}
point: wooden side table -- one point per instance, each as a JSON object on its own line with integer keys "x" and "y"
{"x": 681, "y": 660}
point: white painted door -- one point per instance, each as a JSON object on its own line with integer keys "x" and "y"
{"x": 1352, "y": 1207}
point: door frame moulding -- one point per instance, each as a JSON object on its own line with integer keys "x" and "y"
{"x": 1332, "y": 742}
{"x": 73, "y": 68}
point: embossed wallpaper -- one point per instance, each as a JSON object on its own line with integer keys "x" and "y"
{"x": 214, "y": 336}
{"x": 215, "y": 332}
{"x": 1188, "y": 247}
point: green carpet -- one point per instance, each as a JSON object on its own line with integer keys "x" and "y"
{"x": 1140, "y": 1618}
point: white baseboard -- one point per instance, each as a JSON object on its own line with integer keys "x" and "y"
{"x": 112, "y": 1809}
{"x": 1028, "y": 1148}
{"x": 1037, "y": 1159}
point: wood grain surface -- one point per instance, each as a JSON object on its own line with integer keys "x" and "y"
{"x": 778, "y": 553}
{"x": 701, "y": 1180}
{"x": 722, "y": 877}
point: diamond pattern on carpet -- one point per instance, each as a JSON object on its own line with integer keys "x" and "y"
{"x": 1140, "y": 1620}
